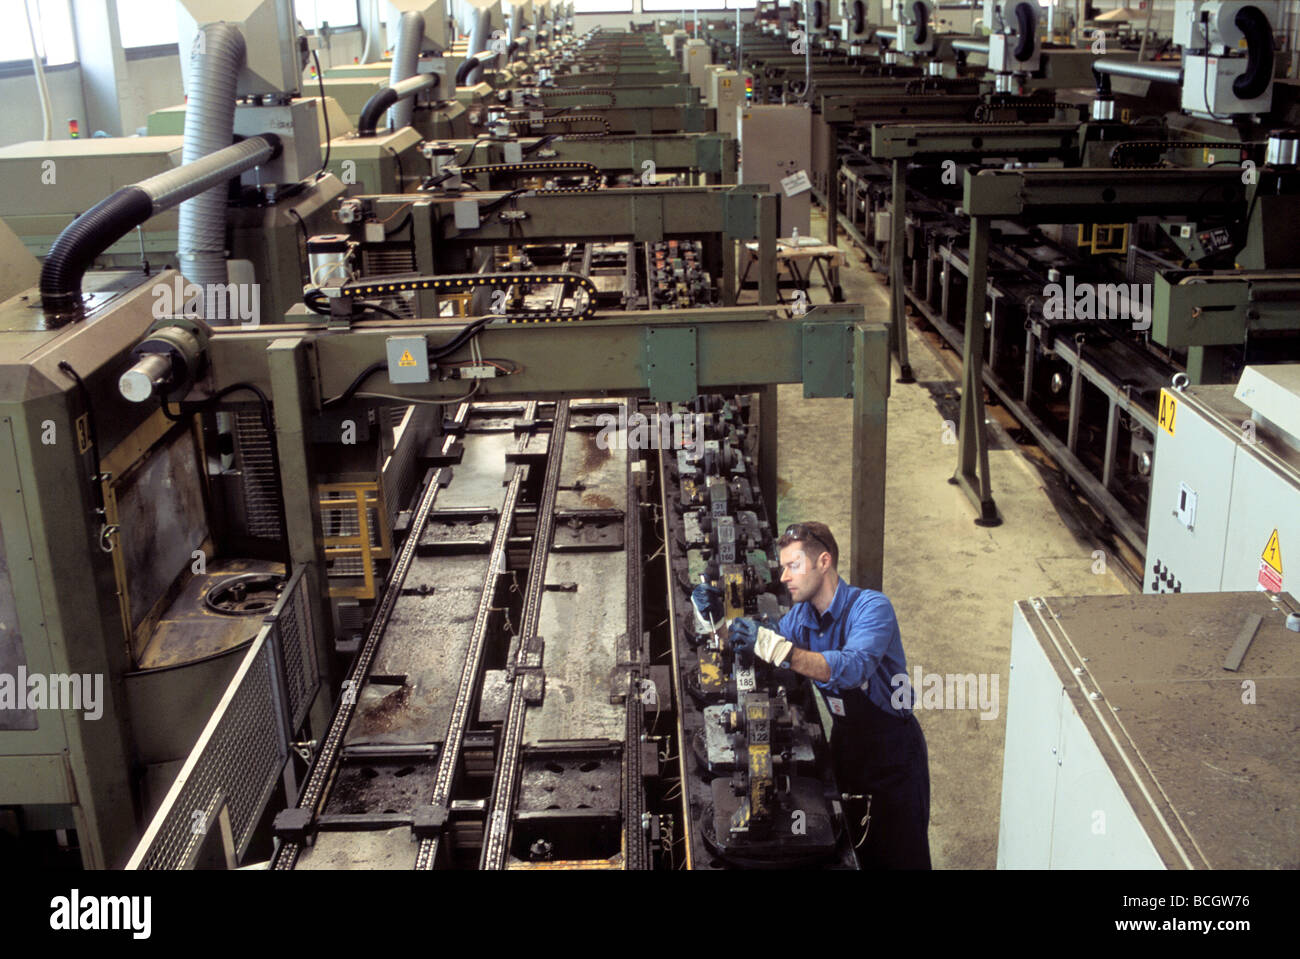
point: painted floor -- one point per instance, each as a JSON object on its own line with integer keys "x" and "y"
{"x": 952, "y": 583}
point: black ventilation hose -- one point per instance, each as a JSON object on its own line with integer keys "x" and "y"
{"x": 84, "y": 239}
{"x": 375, "y": 108}
{"x": 818, "y": 14}
{"x": 465, "y": 70}
{"x": 1027, "y": 21}
{"x": 1259, "y": 53}
{"x": 513, "y": 48}
{"x": 921, "y": 13}
{"x": 859, "y": 16}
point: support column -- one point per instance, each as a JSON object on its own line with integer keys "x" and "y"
{"x": 972, "y": 445}
{"x": 287, "y": 363}
{"x": 870, "y": 406}
{"x": 768, "y": 417}
{"x": 897, "y": 255}
{"x": 767, "y": 265}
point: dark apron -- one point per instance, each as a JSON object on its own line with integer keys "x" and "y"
{"x": 881, "y": 755}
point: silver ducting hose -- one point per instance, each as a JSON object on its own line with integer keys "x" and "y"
{"x": 478, "y": 40}
{"x": 215, "y": 62}
{"x": 1140, "y": 71}
{"x": 175, "y": 186}
{"x": 406, "y": 61}
{"x": 113, "y": 217}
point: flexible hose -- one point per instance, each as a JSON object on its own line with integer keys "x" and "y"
{"x": 1259, "y": 53}
{"x": 406, "y": 59}
{"x": 466, "y": 69}
{"x": 113, "y": 217}
{"x": 385, "y": 98}
{"x": 478, "y": 37}
{"x": 1027, "y": 20}
{"x": 215, "y": 62}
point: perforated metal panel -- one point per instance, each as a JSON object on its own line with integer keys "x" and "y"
{"x": 261, "y": 503}
{"x": 245, "y": 745}
{"x": 240, "y": 754}
{"x": 293, "y": 630}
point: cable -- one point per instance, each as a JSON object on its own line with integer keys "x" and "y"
{"x": 268, "y": 423}
{"x": 320, "y": 81}
{"x": 420, "y": 400}
{"x": 355, "y": 385}
{"x": 97, "y": 488}
{"x": 297, "y": 216}
{"x": 401, "y": 179}
{"x": 461, "y": 161}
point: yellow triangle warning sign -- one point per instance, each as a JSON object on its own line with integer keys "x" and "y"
{"x": 407, "y": 359}
{"x": 1273, "y": 553}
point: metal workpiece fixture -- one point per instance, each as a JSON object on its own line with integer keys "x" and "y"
{"x": 109, "y": 220}
{"x": 1283, "y": 148}
{"x": 168, "y": 361}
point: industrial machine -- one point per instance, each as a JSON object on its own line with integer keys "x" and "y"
{"x": 1156, "y": 214}
{"x": 1151, "y": 732}
{"x": 1224, "y": 512}
{"x": 384, "y": 654}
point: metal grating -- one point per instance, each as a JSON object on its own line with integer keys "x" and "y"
{"x": 243, "y": 749}
{"x": 240, "y": 754}
{"x": 261, "y": 506}
{"x": 293, "y": 627}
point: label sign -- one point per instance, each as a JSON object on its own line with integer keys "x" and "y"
{"x": 795, "y": 183}
{"x": 1270, "y": 565}
{"x": 1168, "y": 411}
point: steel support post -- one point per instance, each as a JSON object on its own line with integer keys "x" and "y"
{"x": 972, "y": 444}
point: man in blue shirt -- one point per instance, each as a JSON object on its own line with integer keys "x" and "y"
{"x": 847, "y": 641}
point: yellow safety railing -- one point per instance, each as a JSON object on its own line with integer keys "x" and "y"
{"x": 359, "y": 498}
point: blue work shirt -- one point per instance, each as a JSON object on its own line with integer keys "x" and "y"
{"x": 871, "y": 653}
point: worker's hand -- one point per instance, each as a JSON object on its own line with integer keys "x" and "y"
{"x": 749, "y": 639}
{"x": 707, "y": 602}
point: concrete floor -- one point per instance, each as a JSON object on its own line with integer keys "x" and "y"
{"x": 952, "y": 583}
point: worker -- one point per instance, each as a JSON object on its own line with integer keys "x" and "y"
{"x": 847, "y": 641}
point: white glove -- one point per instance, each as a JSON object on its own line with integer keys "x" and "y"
{"x": 747, "y": 634}
{"x": 772, "y": 647}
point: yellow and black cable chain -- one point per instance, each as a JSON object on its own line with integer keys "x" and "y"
{"x": 552, "y": 94}
{"x": 545, "y": 166}
{"x": 1118, "y": 160}
{"x": 499, "y": 280}
{"x": 536, "y": 166}
{"x": 1023, "y": 107}
{"x": 575, "y": 118}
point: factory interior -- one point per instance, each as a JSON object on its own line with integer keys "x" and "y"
{"x": 343, "y": 343}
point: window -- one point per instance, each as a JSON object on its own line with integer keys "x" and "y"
{"x": 337, "y": 13}
{"x": 52, "y": 24}
{"x": 690, "y": 6}
{"x": 601, "y": 6}
{"x": 146, "y": 23}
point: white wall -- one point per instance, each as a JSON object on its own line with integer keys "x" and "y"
{"x": 147, "y": 86}
{"x": 20, "y": 111}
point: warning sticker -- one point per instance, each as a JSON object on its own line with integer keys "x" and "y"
{"x": 1270, "y": 565}
{"x": 1168, "y": 410}
{"x": 407, "y": 359}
